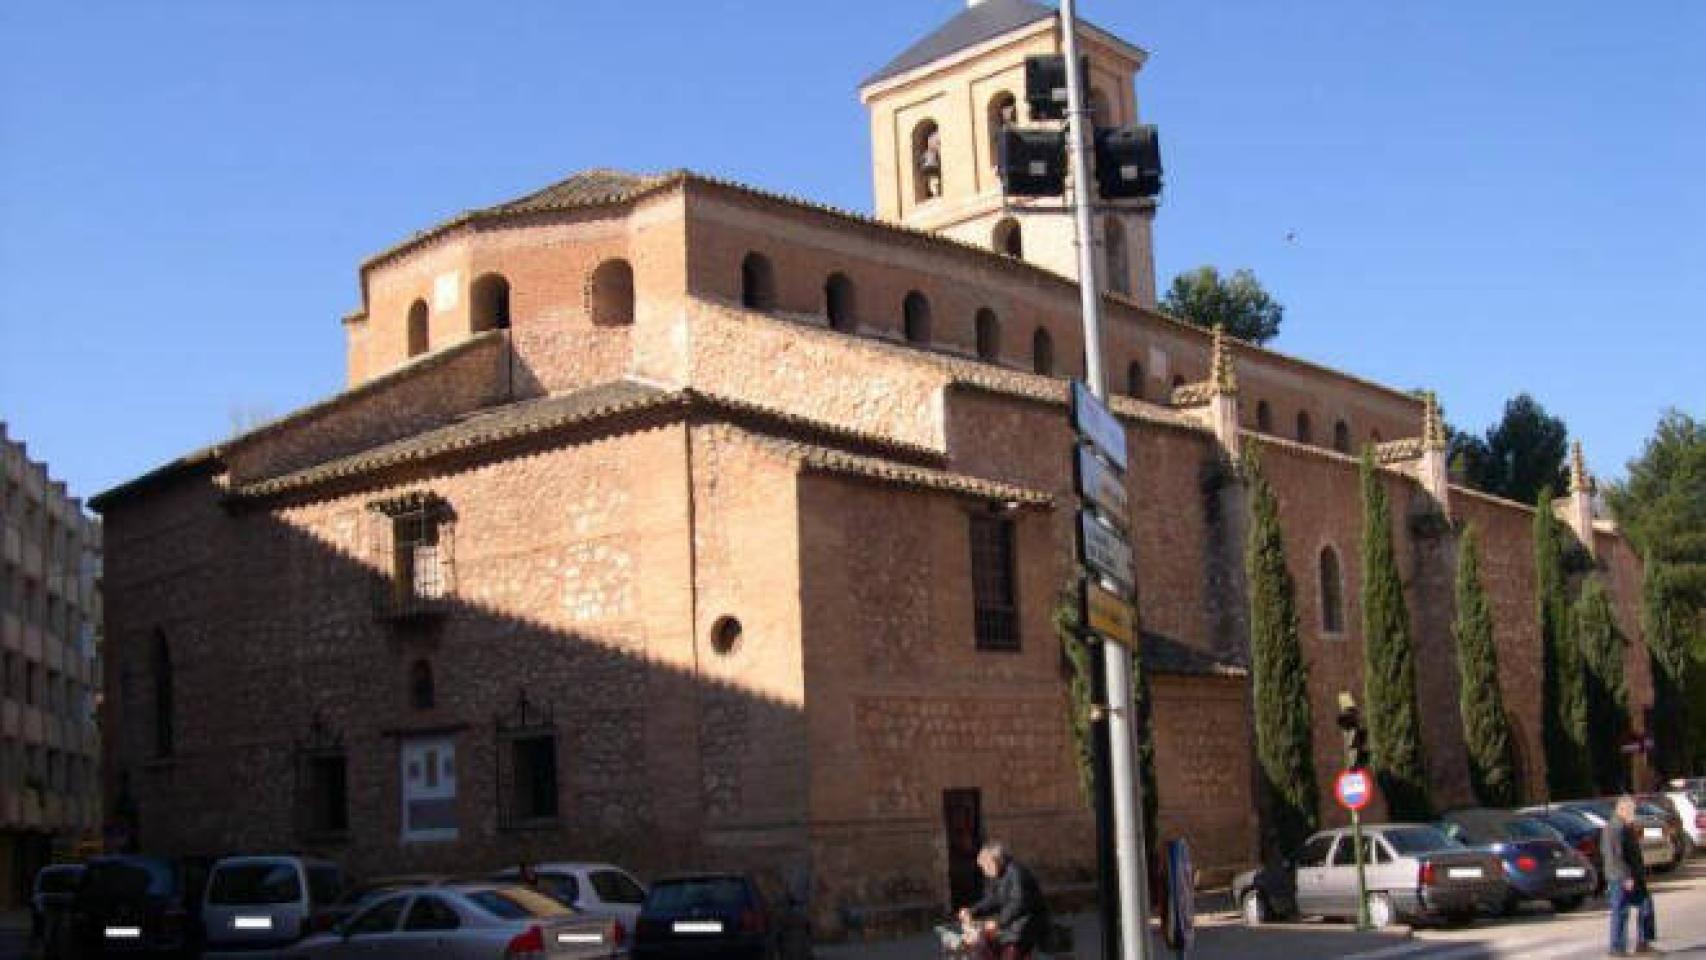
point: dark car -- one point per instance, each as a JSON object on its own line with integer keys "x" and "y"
{"x": 1539, "y": 864}
{"x": 135, "y": 905}
{"x": 1582, "y": 836}
{"x": 55, "y": 886}
{"x": 705, "y": 915}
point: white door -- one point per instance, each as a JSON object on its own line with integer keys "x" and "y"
{"x": 429, "y": 788}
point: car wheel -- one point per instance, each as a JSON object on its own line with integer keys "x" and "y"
{"x": 1566, "y": 904}
{"x": 1509, "y": 905}
{"x": 1380, "y": 912}
{"x": 1255, "y": 909}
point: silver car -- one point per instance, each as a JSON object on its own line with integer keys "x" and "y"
{"x": 466, "y": 921}
{"x": 1413, "y": 871}
{"x": 591, "y": 889}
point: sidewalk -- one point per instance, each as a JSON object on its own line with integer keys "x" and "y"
{"x": 1220, "y": 936}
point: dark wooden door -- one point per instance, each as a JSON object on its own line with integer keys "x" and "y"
{"x": 962, "y": 815}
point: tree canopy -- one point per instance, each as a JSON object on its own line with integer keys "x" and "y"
{"x": 1518, "y": 456}
{"x": 1237, "y": 303}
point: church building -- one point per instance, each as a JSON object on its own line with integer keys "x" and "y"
{"x": 676, "y": 523}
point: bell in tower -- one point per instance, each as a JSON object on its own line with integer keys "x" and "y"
{"x": 937, "y": 112}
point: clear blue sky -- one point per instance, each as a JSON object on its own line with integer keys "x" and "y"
{"x": 1487, "y": 197}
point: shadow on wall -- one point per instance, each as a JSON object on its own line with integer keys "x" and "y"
{"x": 382, "y": 719}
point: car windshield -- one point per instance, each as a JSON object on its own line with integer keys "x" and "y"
{"x": 713, "y": 893}
{"x": 127, "y": 878}
{"x": 58, "y": 879}
{"x": 1599, "y": 808}
{"x": 517, "y": 903}
{"x": 614, "y": 886}
{"x": 254, "y": 885}
{"x": 1409, "y": 841}
{"x": 1528, "y": 828}
{"x": 1651, "y": 810}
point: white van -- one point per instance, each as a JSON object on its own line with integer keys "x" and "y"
{"x": 256, "y": 903}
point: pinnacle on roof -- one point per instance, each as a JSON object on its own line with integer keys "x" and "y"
{"x": 1433, "y": 425}
{"x": 1223, "y": 373}
{"x": 1579, "y": 481}
{"x": 972, "y": 26}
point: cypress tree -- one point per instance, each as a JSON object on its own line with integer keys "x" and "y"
{"x": 1280, "y": 678}
{"x": 1607, "y": 698}
{"x": 1486, "y": 728}
{"x": 1563, "y": 713}
{"x": 1394, "y": 720}
{"x": 1668, "y": 652}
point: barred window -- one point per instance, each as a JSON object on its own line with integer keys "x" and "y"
{"x": 413, "y": 546}
{"x": 527, "y": 765}
{"x": 327, "y": 801}
{"x": 995, "y": 604}
{"x": 1332, "y": 593}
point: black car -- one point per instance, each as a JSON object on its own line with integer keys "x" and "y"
{"x": 1582, "y": 836}
{"x": 705, "y": 915}
{"x": 135, "y": 905}
{"x": 1539, "y": 864}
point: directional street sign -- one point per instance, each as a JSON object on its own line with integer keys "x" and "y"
{"x": 1109, "y": 614}
{"x": 1102, "y": 486}
{"x": 1091, "y": 418}
{"x": 1103, "y": 550}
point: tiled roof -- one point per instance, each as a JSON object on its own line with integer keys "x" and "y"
{"x": 828, "y": 460}
{"x": 585, "y": 189}
{"x": 972, "y": 26}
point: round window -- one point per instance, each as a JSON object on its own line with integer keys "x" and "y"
{"x": 725, "y": 635}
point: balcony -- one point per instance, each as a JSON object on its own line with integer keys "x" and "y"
{"x": 11, "y": 631}
{"x": 12, "y": 544}
{"x": 30, "y": 559}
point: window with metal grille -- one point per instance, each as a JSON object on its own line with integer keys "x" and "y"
{"x": 527, "y": 765}
{"x": 326, "y": 803}
{"x": 995, "y": 606}
{"x": 412, "y": 540}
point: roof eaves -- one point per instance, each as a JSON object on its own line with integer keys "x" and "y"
{"x": 206, "y": 459}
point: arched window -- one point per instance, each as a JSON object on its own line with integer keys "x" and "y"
{"x": 610, "y": 294}
{"x": 757, "y": 283}
{"x": 1341, "y": 437}
{"x": 838, "y": 303}
{"x": 1042, "y": 352}
{"x": 926, "y": 161}
{"x": 165, "y": 733}
{"x": 1332, "y": 593}
{"x": 1134, "y": 379}
{"x": 1003, "y": 112}
{"x": 1113, "y": 250}
{"x": 1264, "y": 417}
{"x": 421, "y": 693}
{"x": 1008, "y": 239}
{"x": 916, "y": 311}
{"x": 1304, "y": 434}
{"x": 418, "y": 336}
{"x": 1101, "y": 113}
{"x": 488, "y": 303}
{"x": 988, "y": 334}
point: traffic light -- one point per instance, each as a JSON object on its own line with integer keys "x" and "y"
{"x": 1045, "y": 85}
{"x": 1033, "y": 162}
{"x": 1356, "y": 735}
{"x": 1128, "y": 162}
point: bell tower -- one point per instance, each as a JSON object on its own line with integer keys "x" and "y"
{"x": 937, "y": 110}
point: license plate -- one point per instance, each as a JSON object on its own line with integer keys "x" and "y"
{"x": 1572, "y": 872}
{"x": 698, "y": 926}
{"x": 252, "y": 923}
{"x": 1464, "y": 873}
{"x": 580, "y": 938}
{"x": 124, "y": 933}
{"x": 1653, "y": 833}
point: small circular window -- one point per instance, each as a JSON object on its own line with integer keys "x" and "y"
{"x": 725, "y": 635}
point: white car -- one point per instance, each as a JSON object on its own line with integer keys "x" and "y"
{"x": 592, "y": 889}
{"x": 266, "y": 903}
{"x": 1688, "y": 797}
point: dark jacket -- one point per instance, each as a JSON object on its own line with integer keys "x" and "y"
{"x": 1015, "y": 902}
{"x": 1623, "y": 858}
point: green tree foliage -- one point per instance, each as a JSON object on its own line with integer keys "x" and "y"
{"x": 1280, "y": 678}
{"x": 1661, "y": 507}
{"x": 1389, "y": 679}
{"x": 1607, "y": 693}
{"x": 1238, "y": 303}
{"x": 1518, "y": 456}
{"x": 1563, "y": 707}
{"x": 1486, "y": 727}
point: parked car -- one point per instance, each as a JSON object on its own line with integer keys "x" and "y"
{"x": 267, "y": 902}
{"x": 592, "y": 889}
{"x": 357, "y": 897}
{"x": 1654, "y": 833}
{"x": 1581, "y": 834}
{"x": 702, "y": 915}
{"x": 1413, "y": 871}
{"x": 134, "y": 905}
{"x": 1539, "y": 864}
{"x": 50, "y": 897}
{"x": 1677, "y": 825}
{"x": 465, "y": 921}
{"x": 1690, "y": 805}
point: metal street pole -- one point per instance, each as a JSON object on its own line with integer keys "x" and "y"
{"x": 1128, "y": 797}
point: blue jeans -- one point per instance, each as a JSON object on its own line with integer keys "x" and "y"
{"x": 1621, "y": 901}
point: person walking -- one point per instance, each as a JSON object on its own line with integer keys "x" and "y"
{"x": 1626, "y": 881}
{"x": 1014, "y": 914}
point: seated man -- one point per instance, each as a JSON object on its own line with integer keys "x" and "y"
{"x": 1015, "y": 918}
